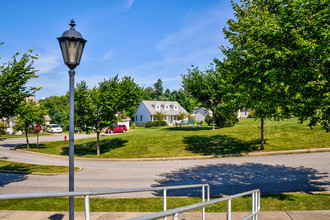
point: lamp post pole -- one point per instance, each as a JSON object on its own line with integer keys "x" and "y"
{"x": 71, "y": 143}
{"x": 72, "y": 45}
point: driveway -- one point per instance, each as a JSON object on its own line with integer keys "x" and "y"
{"x": 271, "y": 174}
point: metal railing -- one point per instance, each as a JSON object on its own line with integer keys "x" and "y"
{"x": 87, "y": 194}
{"x": 175, "y": 212}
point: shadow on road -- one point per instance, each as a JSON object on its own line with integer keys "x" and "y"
{"x": 219, "y": 144}
{"x": 228, "y": 179}
{"x": 90, "y": 148}
{"x": 6, "y": 178}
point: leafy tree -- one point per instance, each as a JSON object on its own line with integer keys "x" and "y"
{"x": 158, "y": 92}
{"x": 82, "y": 106}
{"x": 158, "y": 116}
{"x": 30, "y": 113}
{"x": 13, "y": 78}
{"x": 210, "y": 89}
{"x": 279, "y": 58}
{"x": 147, "y": 94}
{"x": 184, "y": 99}
{"x": 58, "y": 109}
{"x": 101, "y": 106}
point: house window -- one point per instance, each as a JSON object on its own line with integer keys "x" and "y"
{"x": 167, "y": 107}
{"x": 151, "y": 118}
{"x": 175, "y": 107}
{"x": 141, "y": 118}
{"x": 157, "y": 107}
{"x": 135, "y": 117}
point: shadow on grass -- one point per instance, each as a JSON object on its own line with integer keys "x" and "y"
{"x": 219, "y": 144}
{"x": 229, "y": 179}
{"x": 188, "y": 128}
{"x": 90, "y": 148}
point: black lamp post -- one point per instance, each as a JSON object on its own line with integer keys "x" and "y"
{"x": 72, "y": 46}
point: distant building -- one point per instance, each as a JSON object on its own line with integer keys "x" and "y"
{"x": 145, "y": 111}
{"x": 10, "y": 123}
{"x": 201, "y": 113}
{"x": 243, "y": 113}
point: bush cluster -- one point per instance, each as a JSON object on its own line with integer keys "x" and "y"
{"x": 222, "y": 120}
{"x": 155, "y": 124}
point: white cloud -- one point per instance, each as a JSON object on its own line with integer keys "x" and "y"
{"x": 198, "y": 39}
{"x": 107, "y": 55}
{"x": 46, "y": 63}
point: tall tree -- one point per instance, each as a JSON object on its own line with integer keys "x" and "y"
{"x": 147, "y": 95}
{"x": 158, "y": 92}
{"x": 103, "y": 105}
{"x": 279, "y": 58}
{"x": 13, "y": 78}
{"x": 209, "y": 88}
{"x": 58, "y": 109}
{"x": 30, "y": 113}
{"x": 82, "y": 105}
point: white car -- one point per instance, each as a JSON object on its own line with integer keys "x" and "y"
{"x": 55, "y": 128}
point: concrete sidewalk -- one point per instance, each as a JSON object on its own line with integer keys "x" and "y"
{"x": 276, "y": 215}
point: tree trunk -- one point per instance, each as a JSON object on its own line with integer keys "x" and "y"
{"x": 213, "y": 119}
{"x": 27, "y": 139}
{"x": 262, "y": 134}
{"x": 98, "y": 143}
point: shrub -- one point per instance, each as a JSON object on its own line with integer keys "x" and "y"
{"x": 191, "y": 118}
{"x": 132, "y": 126}
{"x": 150, "y": 124}
{"x": 223, "y": 120}
{"x": 252, "y": 114}
{"x": 2, "y": 128}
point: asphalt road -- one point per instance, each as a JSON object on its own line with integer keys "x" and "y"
{"x": 270, "y": 174}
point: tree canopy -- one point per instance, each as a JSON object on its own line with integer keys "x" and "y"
{"x": 210, "y": 89}
{"x": 13, "y": 78}
{"x": 279, "y": 57}
{"x": 102, "y": 106}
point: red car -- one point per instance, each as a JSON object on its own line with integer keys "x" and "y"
{"x": 116, "y": 129}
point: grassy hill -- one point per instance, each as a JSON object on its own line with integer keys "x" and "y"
{"x": 176, "y": 142}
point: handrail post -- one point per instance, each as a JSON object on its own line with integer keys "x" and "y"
{"x": 229, "y": 209}
{"x": 87, "y": 213}
{"x": 165, "y": 201}
{"x": 175, "y": 217}
{"x": 203, "y": 200}
{"x": 254, "y": 205}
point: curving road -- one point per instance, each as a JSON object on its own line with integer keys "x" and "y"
{"x": 271, "y": 174}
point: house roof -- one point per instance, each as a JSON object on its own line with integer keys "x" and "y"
{"x": 201, "y": 110}
{"x": 151, "y": 106}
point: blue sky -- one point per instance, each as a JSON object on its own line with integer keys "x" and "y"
{"x": 144, "y": 39}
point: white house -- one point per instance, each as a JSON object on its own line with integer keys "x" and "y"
{"x": 201, "y": 113}
{"x": 145, "y": 111}
{"x": 243, "y": 113}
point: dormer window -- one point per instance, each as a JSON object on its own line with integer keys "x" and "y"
{"x": 167, "y": 107}
{"x": 175, "y": 107}
{"x": 157, "y": 107}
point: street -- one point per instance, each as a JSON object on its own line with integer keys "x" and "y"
{"x": 270, "y": 174}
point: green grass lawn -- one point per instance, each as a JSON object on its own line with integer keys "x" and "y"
{"x": 272, "y": 202}
{"x": 34, "y": 169}
{"x": 176, "y": 142}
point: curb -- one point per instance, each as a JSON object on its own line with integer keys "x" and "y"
{"x": 35, "y": 173}
{"x": 253, "y": 154}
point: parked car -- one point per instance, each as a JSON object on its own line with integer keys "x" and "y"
{"x": 116, "y": 129}
{"x": 55, "y": 128}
